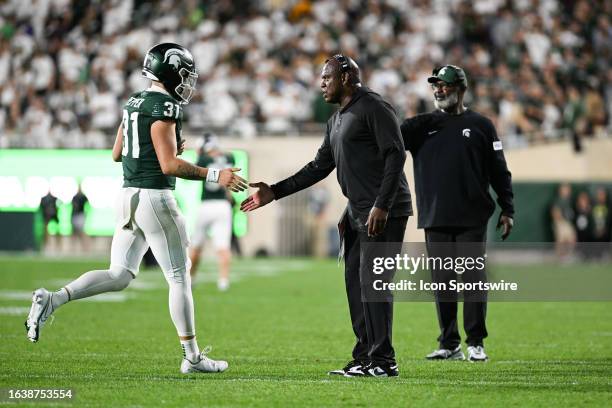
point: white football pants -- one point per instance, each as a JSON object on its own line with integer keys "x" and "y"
{"x": 214, "y": 217}
{"x": 146, "y": 217}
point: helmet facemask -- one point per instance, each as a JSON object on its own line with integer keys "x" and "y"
{"x": 187, "y": 87}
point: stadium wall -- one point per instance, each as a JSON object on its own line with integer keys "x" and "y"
{"x": 287, "y": 227}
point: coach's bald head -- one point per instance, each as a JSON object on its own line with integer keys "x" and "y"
{"x": 339, "y": 78}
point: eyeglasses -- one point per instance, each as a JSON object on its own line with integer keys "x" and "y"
{"x": 442, "y": 85}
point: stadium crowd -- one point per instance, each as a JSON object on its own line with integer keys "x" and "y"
{"x": 583, "y": 217}
{"x": 540, "y": 69}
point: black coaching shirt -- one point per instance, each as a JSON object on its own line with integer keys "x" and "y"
{"x": 363, "y": 142}
{"x": 456, "y": 158}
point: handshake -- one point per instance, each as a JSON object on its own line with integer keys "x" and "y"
{"x": 227, "y": 178}
{"x": 233, "y": 182}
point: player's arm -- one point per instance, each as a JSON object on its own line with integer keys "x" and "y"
{"x": 313, "y": 172}
{"x": 500, "y": 179}
{"x": 382, "y": 122}
{"x": 310, "y": 174}
{"x": 412, "y": 130}
{"x": 164, "y": 142}
{"x": 118, "y": 146}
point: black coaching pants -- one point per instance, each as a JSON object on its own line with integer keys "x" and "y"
{"x": 372, "y": 321}
{"x": 471, "y": 240}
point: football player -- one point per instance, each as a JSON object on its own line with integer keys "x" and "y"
{"x": 215, "y": 213}
{"x": 147, "y": 143}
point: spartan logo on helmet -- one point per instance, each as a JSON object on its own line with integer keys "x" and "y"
{"x": 173, "y": 57}
{"x": 173, "y": 66}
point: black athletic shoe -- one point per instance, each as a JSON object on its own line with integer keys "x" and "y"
{"x": 351, "y": 365}
{"x": 375, "y": 370}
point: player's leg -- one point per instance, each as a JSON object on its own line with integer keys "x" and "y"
{"x": 221, "y": 230}
{"x": 128, "y": 248}
{"x": 378, "y": 311}
{"x": 194, "y": 256}
{"x": 45, "y": 232}
{"x": 164, "y": 229}
{"x": 353, "y": 294}
{"x": 197, "y": 241}
{"x": 440, "y": 244}
{"x": 471, "y": 243}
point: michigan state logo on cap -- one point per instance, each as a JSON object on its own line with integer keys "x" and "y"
{"x": 451, "y": 74}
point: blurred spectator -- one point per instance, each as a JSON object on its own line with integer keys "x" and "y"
{"x": 583, "y": 221}
{"x": 37, "y": 123}
{"x": 540, "y": 66}
{"x": 562, "y": 214}
{"x": 48, "y": 208}
{"x": 103, "y": 108}
{"x": 318, "y": 200}
{"x": 79, "y": 201}
{"x": 595, "y": 110}
{"x": 602, "y": 218}
{"x": 573, "y": 117}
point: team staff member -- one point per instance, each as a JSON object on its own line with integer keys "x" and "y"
{"x": 363, "y": 142}
{"x": 457, "y": 155}
{"x": 48, "y": 206}
{"x": 215, "y": 214}
{"x": 78, "y": 218}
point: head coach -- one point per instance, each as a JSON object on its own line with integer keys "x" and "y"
{"x": 364, "y": 144}
{"x": 457, "y": 156}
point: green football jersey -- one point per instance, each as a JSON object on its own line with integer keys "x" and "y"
{"x": 141, "y": 167}
{"x": 214, "y": 191}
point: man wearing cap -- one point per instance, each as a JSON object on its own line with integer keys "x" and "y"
{"x": 215, "y": 214}
{"x": 364, "y": 144}
{"x": 457, "y": 156}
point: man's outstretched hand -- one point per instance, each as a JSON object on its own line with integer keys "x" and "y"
{"x": 258, "y": 199}
{"x": 230, "y": 180}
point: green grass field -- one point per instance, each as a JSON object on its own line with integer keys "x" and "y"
{"x": 282, "y": 326}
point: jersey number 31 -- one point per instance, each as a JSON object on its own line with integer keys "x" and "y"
{"x": 130, "y": 128}
{"x": 130, "y": 132}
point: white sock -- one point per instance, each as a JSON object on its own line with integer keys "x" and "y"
{"x": 59, "y": 298}
{"x": 180, "y": 302}
{"x": 190, "y": 350}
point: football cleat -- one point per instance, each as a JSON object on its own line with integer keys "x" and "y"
{"x": 40, "y": 311}
{"x": 351, "y": 365}
{"x": 374, "y": 370}
{"x": 223, "y": 284}
{"x": 476, "y": 354}
{"x": 446, "y": 354}
{"x": 203, "y": 365}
